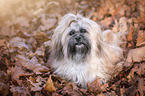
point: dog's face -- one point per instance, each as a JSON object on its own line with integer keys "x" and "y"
{"x": 75, "y": 37}
{"x": 77, "y": 42}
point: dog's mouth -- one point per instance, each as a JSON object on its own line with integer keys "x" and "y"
{"x": 77, "y": 51}
{"x": 79, "y": 44}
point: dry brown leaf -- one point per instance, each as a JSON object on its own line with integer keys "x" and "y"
{"x": 130, "y": 91}
{"x": 32, "y": 64}
{"x": 40, "y": 51}
{"x": 131, "y": 76}
{"x": 39, "y": 94}
{"x": 37, "y": 83}
{"x": 19, "y": 91}
{"x": 23, "y": 21}
{"x": 122, "y": 91}
{"x": 5, "y": 31}
{"x": 4, "y": 86}
{"x": 115, "y": 27}
{"x": 18, "y": 43}
{"x": 23, "y": 34}
{"x": 56, "y": 94}
{"x": 121, "y": 9}
{"x": 102, "y": 11}
{"x": 101, "y": 94}
{"x": 141, "y": 38}
{"x": 16, "y": 72}
{"x": 3, "y": 77}
{"x": 123, "y": 25}
{"x": 140, "y": 19}
{"x": 94, "y": 87}
{"x": 41, "y": 37}
{"x": 37, "y": 67}
{"x": 4, "y": 89}
{"x": 112, "y": 93}
{"x": 83, "y": 91}
{"x": 141, "y": 86}
{"x": 47, "y": 23}
{"x": 71, "y": 89}
{"x": 50, "y": 85}
{"x": 29, "y": 16}
{"x": 32, "y": 41}
{"x": 136, "y": 55}
{"x": 141, "y": 70}
{"x": 2, "y": 42}
{"x": 130, "y": 35}
{"x": 107, "y": 21}
{"x": 111, "y": 7}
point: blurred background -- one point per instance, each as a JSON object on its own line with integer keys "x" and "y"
{"x": 43, "y": 15}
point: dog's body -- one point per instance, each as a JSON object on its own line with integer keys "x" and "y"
{"x": 80, "y": 52}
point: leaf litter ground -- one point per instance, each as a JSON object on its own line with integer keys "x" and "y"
{"x": 25, "y": 32}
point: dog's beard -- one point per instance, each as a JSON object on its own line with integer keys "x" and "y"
{"x": 78, "y": 48}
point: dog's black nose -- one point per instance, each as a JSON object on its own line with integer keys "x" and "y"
{"x": 78, "y": 38}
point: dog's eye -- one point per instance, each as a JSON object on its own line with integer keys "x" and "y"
{"x": 72, "y": 32}
{"x": 83, "y": 30}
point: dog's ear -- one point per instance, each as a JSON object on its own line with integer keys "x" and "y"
{"x": 96, "y": 38}
{"x": 57, "y": 48}
{"x": 99, "y": 49}
{"x": 59, "y": 51}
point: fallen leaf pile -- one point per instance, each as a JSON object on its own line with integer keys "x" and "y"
{"x": 26, "y": 28}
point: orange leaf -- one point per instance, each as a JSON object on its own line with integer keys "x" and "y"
{"x": 50, "y": 85}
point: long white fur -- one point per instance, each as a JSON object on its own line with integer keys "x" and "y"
{"x": 98, "y": 64}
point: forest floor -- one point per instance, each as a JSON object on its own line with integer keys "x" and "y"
{"x": 26, "y": 28}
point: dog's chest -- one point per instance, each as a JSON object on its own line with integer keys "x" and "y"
{"x": 78, "y": 73}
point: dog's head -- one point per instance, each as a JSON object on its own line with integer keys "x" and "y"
{"x": 76, "y": 37}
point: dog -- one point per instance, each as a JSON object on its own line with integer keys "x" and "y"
{"x": 81, "y": 52}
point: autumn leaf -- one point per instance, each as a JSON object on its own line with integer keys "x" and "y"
{"x": 40, "y": 51}
{"x": 18, "y": 43}
{"x": 141, "y": 38}
{"x": 16, "y": 72}
{"x": 72, "y": 89}
{"x": 136, "y": 55}
{"x": 19, "y": 91}
{"x": 50, "y": 85}
{"x": 130, "y": 35}
{"x": 23, "y": 34}
{"x": 4, "y": 85}
{"x": 95, "y": 87}
{"x": 32, "y": 64}
{"x": 26, "y": 28}
{"x": 141, "y": 69}
{"x": 141, "y": 86}
{"x": 37, "y": 83}
{"x": 41, "y": 37}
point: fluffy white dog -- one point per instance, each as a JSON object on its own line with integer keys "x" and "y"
{"x": 81, "y": 52}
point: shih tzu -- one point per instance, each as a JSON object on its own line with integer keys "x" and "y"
{"x": 81, "y": 52}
